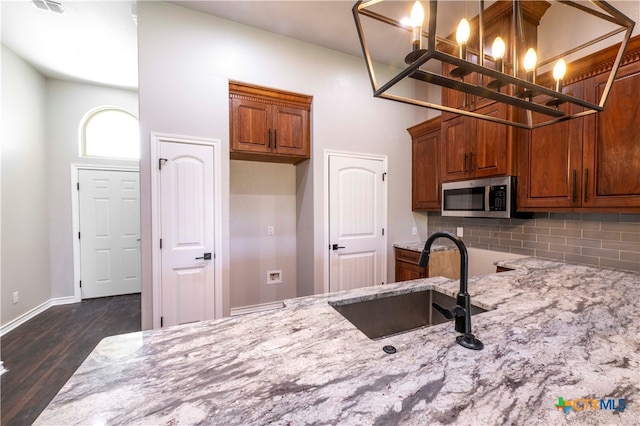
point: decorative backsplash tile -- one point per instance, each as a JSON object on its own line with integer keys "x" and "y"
{"x": 609, "y": 240}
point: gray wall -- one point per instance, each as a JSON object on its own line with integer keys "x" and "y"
{"x": 25, "y": 224}
{"x": 262, "y": 195}
{"x": 610, "y": 240}
{"x": 40, "y": 140}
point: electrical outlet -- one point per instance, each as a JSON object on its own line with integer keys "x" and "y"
{"x": 16, "y": 297}
{"x": 270, "y": 230}
{"x": 460, "y": 231}
{"x": 274, "y": 277}
{"x": 414, "y": 230}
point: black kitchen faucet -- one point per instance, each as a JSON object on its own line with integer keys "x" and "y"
{"x": 462, "y": 311}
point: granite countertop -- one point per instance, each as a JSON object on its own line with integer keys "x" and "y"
{"x": 555, "y": 330}
{"x": 419, "y": 246}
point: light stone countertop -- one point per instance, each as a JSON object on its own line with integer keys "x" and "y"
{"x": 556, "y": 330}
{"x": 419, "y": 246}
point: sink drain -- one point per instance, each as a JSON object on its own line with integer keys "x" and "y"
{"x": 389, "y": 349}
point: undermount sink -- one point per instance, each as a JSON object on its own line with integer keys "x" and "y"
{"x": 383, "y": 315}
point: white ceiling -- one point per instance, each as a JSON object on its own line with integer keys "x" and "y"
{"x": 93, "y": 41}
{"x": 96, "y": 40}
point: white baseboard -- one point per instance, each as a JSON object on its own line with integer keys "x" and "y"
{"x": 255, "y": 308}
{"x": 34, "y": 312}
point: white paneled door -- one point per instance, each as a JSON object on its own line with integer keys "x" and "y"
{"x": 109, "y": 232}
{"x": 187, "y": 232}
{"x": 357, "y": 218}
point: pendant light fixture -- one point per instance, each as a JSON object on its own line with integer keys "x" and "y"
{"x": 524, "y": 64}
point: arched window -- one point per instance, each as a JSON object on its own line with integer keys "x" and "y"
{"x": 111, "y": 132}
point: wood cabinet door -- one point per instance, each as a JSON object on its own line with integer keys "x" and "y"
{"x": 425, "y": 172}
{"x": 250, "y": 123}
{"x": 407, "y": 271}
{"x": 268, "y": 124}
{"x": 291, "y": 131}
{"x": 454, "y": 98}
{"x": 611, "y": 175}
{"x": 458, "y": 135}
{"x": 551, "y": 160}
{"x": 489, "y": 155}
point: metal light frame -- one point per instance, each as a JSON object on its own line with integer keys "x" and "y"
{"x": 413, "y": 70}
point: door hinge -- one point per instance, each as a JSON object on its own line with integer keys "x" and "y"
{"x": 161, "y": 162}
{"x": 160, "y": 242}
{"x": 78, "y": 186}
{"x": 161, "y": 321}
{"x": 384, "y": 175}
{"x": 78, "y": 235}
{"x": 80, "y": 283}
{"x": 382, "y": 231}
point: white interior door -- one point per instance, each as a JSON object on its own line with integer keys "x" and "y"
{"x": 357, "y": 218}
{"x": 109, "y": 232}
{"x": 187, "y": 232}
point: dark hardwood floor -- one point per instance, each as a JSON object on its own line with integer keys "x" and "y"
{"x": 43, "y": 353}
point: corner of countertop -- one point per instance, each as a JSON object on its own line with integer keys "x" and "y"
{"x": 528, "y": 263}
{"x": 419, "y": 246}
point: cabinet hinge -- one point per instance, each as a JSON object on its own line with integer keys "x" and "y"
{"x": 161, "y": 321}
{"x": 78, "y": 186}
{"x": 382, "y": 231}
{"x": 80, "y": 283}
{"x": 78, "y": 235}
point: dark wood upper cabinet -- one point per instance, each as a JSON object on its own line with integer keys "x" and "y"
{"x": 473, "y": 148}
{"x": 611, "y": 149}
{"x": 590, "y": 163}
{"x": 425, "y": 171}
{"x": 551, "y": 160}
{"x": 268, "y": 125}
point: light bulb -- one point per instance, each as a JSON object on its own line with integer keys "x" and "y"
{"x": 559, "y": 70}
{"x": 498, "y": 48}
{"x": 417, "y": 15}
{"x": 463, "y": 32}
{"x": 416, "y": 20}
{"x": 530, "y": 59}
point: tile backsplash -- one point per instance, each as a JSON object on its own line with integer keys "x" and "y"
{"x": 609, "y": 240}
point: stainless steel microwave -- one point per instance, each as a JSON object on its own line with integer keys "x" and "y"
{"x": 491, "y": 197}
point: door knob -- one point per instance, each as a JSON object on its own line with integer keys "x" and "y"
{"x": 336, "y": 247}
{"x": 206, "y": 256}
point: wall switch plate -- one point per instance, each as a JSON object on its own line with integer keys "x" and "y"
{"x": 274, "y": 277}
{"x": 460, "y": 231}
{"x": 16, "y": 297}
{"x": 269, "y": 230}
{"x": 414, "y": 230}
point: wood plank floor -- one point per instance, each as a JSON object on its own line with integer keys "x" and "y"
{"x": 43, "y": 353}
